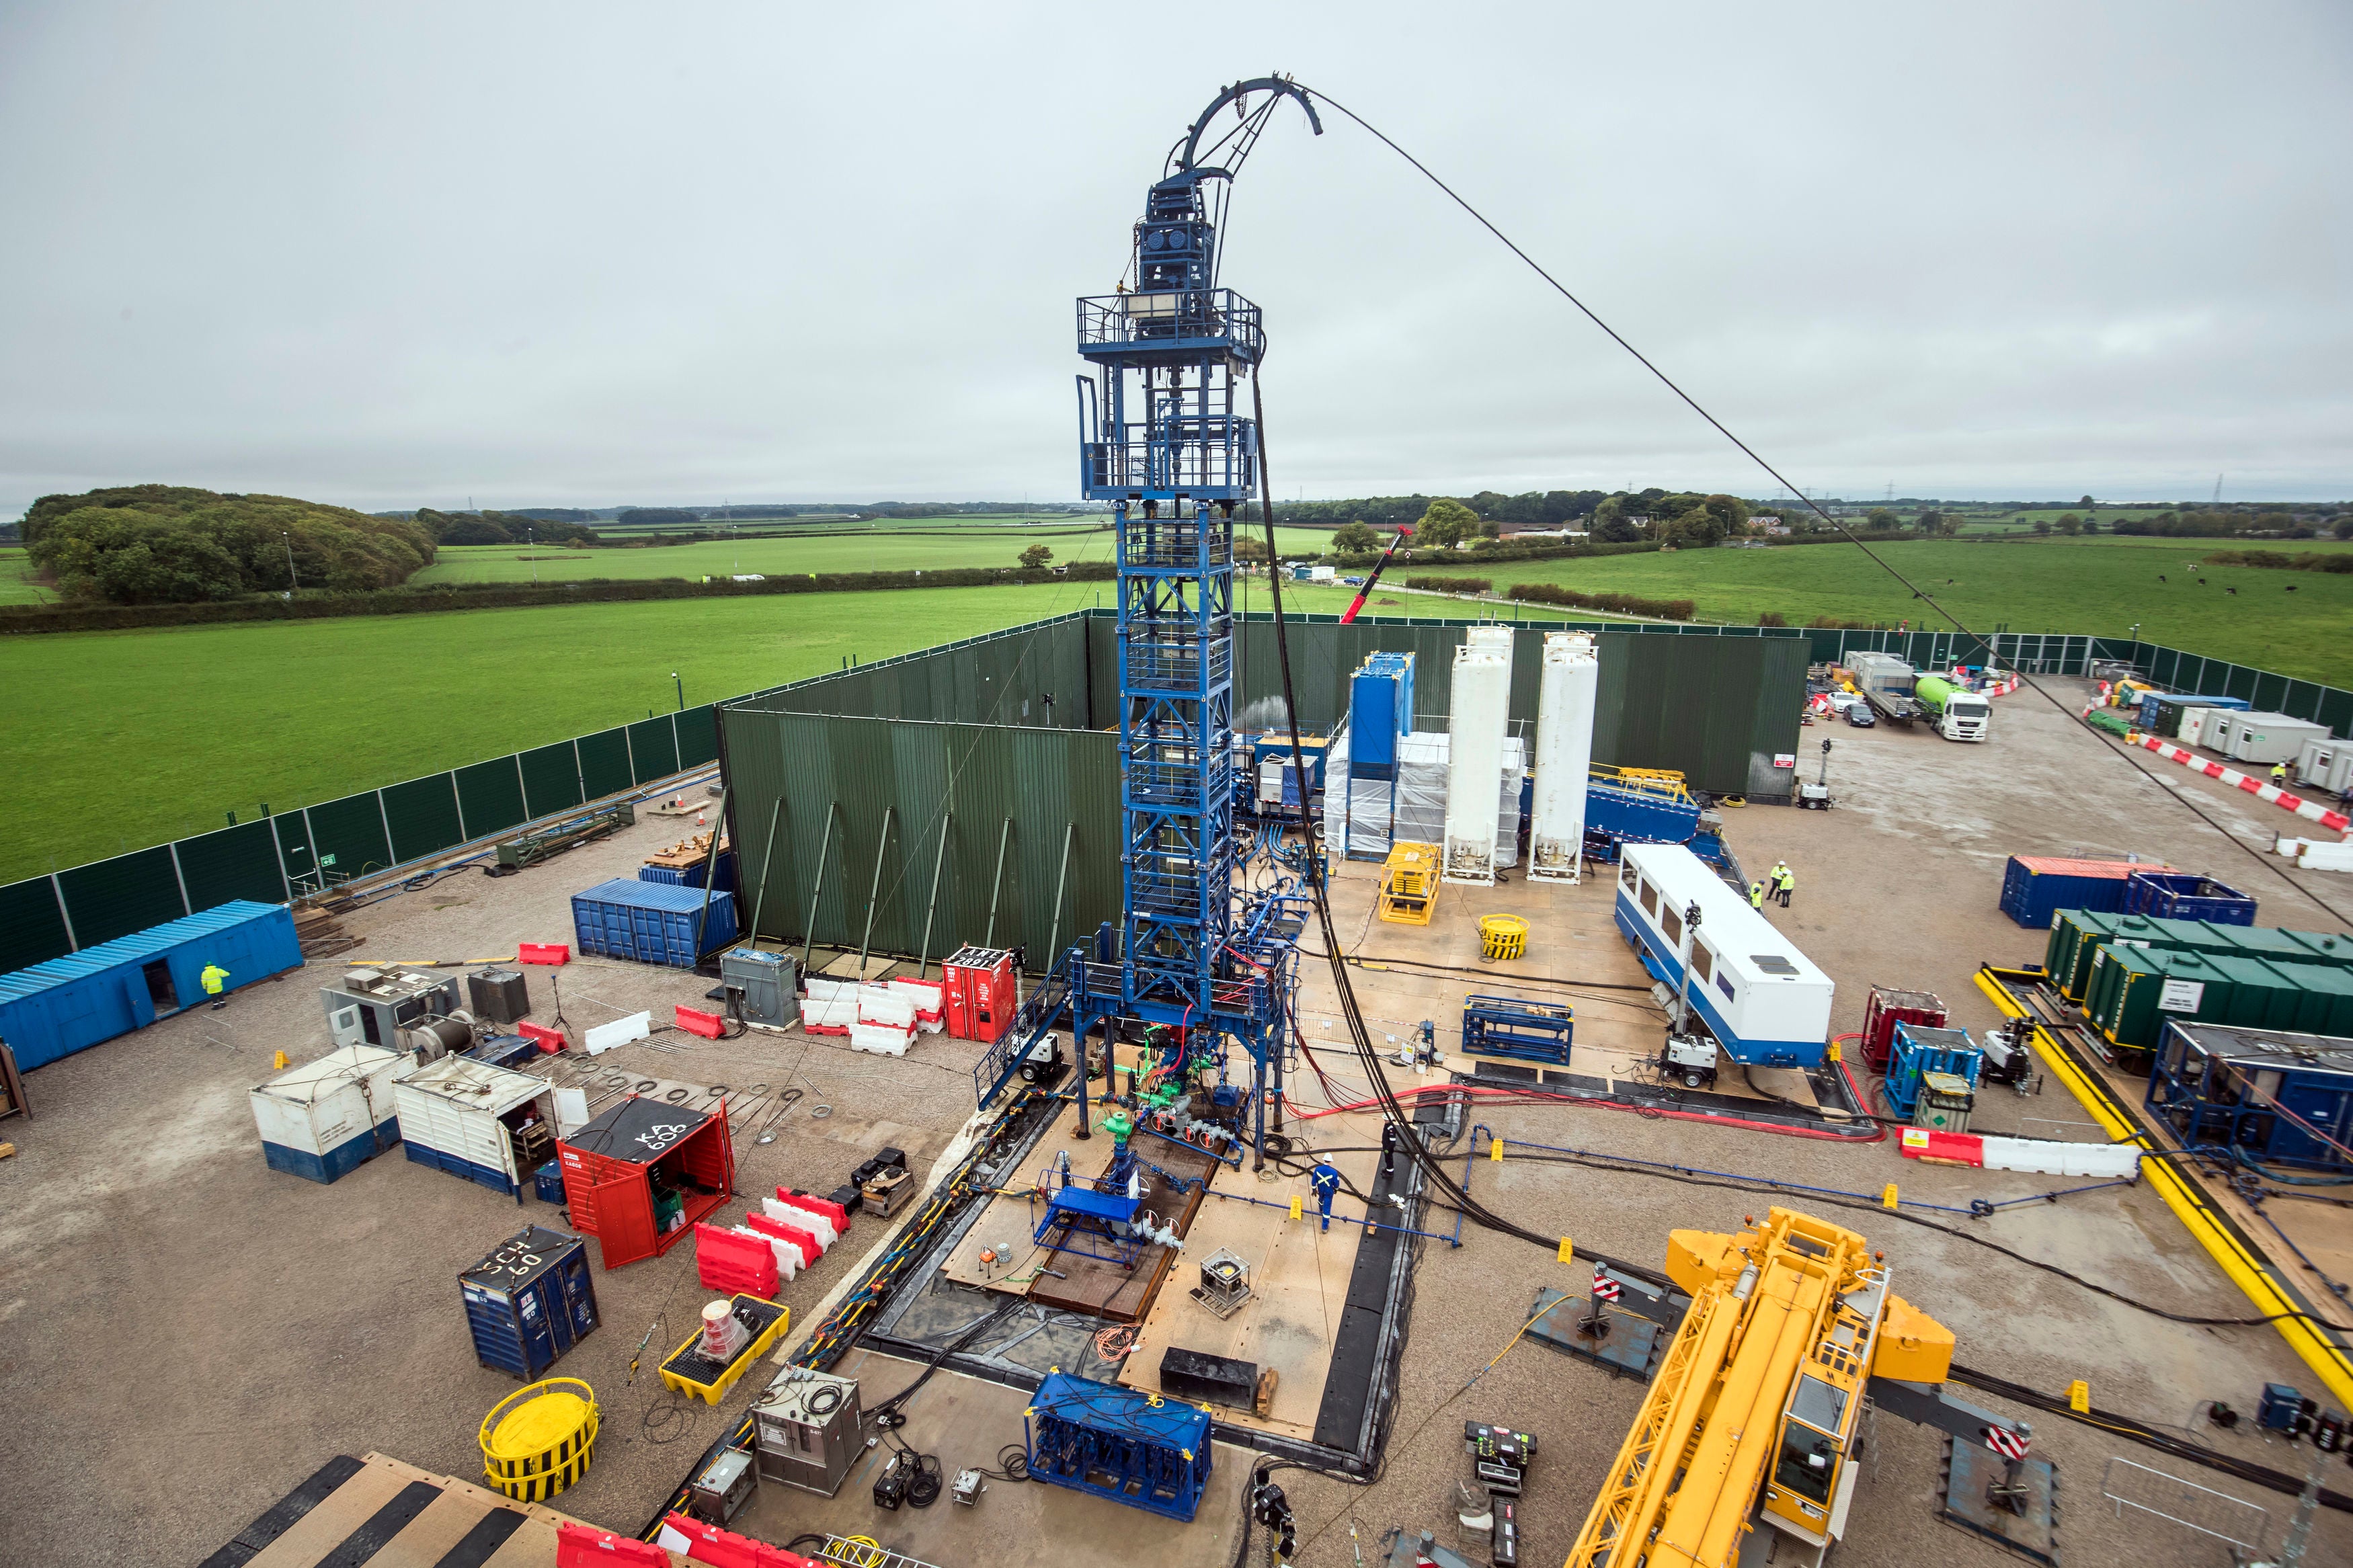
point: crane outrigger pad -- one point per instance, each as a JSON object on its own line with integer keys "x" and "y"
{"x": 1968, "y": 1470}
{"x": 1630, "y": 1348}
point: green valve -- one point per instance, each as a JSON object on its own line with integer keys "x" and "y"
{"x": 1119, "y": 1124}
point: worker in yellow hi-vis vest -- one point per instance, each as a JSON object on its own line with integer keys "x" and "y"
{"x": 1755, "y": 895}
{"x": 1785, "y": 882}
{"x": 213, "y": 977}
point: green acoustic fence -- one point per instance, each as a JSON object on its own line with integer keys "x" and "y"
{"x": 913, "y": 836}
{"x": 274, "y": 859}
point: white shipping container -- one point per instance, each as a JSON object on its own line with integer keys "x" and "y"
{"x": 1481, "y": 701}
{"x": 1571, "y": 672}
{"x": 467, "y": 1118}
{"x": 322, "y": 1118}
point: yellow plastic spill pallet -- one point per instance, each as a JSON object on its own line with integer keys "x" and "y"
{"x": 689, "y": 1370}
{"x": 540, "y": 1439}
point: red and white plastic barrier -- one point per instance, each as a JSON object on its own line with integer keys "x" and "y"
{"x": 798, "y": 1238}
{"x": 835, "y": 1217}
{"x": 2259, "y": 788}
{"x": 586, "y": 1546}
{"x": 2112, "y": 1162}
{"x": 699, "y": 1541}
{"x": 733, "y": 1261}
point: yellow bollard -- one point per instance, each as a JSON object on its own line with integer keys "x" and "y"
{"x": 1298, "y": 1206}
{"x": 1495, "y": 1150}
{"x": 2079, "y": 1397}
{"x": 280, "y": 1062}
{"x": 1568, "y": 1253}
{"x": 1887, "y": 1198}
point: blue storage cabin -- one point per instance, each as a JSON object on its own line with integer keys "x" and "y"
{"x": 1380, "y": 709}
{"x": 324, "y": 1119}
{"x": 71, "y": 1003}
{"x": 529, "y": 1301}
{"x": 651, "y": 922}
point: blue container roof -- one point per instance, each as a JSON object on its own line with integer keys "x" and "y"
{"x": 1124, "y": 1411}
{"x": 137, "y": 948}
{"x": 670, "y": 897}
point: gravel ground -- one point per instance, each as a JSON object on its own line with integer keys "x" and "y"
{"x": 167, "y": 1300}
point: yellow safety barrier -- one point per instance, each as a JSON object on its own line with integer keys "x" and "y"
{"x": 2245, "y": 1267}
{"x": 1502, "y": 937}
{"x": 540, "y": 1439}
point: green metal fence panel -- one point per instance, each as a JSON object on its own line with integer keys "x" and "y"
{"x": 653, "y": 750}
{"x": 32, "y": 927}
{"x": 108, "y": 898}
{"x": 423, "y": 815}
{"x": 490, "y": 796}
{"x": 551, "y": 779}
{"x": 605, "y": 763}
{"x": 238, "y": 862}
{"x": 351, "y": 835}
{"x": 698, "y": 736}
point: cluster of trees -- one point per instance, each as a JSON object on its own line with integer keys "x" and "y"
{"x": 2192, "y": 525}
{"x": 1623, "y": 604}
{"x": 2281, "y": 561}
{"x": 1679, "y": 518}
{"x": 158, "y": 544}
{"x": 500, "y": 527}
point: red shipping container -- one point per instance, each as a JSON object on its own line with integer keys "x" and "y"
{"x": 735, "y": 1264}
{"x": 1888, "y": 1007}
{"x": 804, "y": 1240}
{"x": 613, "y": 1166}
{"x": 980, "y": 993}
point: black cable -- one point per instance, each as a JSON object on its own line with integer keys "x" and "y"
{"x": 1917, "y": 592}
{"x": 1013, "y": 1462}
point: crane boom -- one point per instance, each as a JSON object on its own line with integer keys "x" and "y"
{"x": 1754, "y": 1410}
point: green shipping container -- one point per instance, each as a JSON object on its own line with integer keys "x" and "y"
{"x": 2137, "y": 932}
{"x": 2333, "y": 945}
{"x": 2324, "y": 1004}
{"x": 2068, "y": 929}
{"x": 2261, "y": 997}
{"x": 2138, "y": 989}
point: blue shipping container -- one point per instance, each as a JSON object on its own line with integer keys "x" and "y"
{"x": 530, "y": 1301}
{"x": 2186, "y": 896}
{"x": 1380, "y": 709}
{"x": 651, "y": 922}
{"x": 691, "y": 876}
{"x": 70, "y": 1004}
{"x": 2034, "y": 887}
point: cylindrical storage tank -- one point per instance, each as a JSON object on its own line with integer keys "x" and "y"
{"x": 1483, "y": 692}
{"x": 1570, "y": 672}
{"x": 323, "y": 1119}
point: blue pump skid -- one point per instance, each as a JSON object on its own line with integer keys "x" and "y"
{"x": 1119, "y": 1444}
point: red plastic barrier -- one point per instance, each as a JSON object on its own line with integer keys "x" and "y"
{"x": 726, "y": 1261}
{"x": 1960, "y": 1148}
{"x": 695, "y": 1021}
{"x": 586, "y": 1546}
{"x": 803, "y": 1239}
{"x": 835, "y": 1214}
{"x": 550, "y": 1040}
{"x": 725, "y": 1548}
{"x": 543, "y": 953}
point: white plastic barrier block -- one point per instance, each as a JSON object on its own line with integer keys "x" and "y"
{"x": 809, "y": 1220}
{"x": 930, "y": 997}
{"x": 620, "y": 1032}
{"x": 882, "y": 1039}
{"x": 835, "y": 1013}
{"x": 788, "y": 1257}
{"x": 2100, "y": 1162}
{"x": 882, "y": 1004}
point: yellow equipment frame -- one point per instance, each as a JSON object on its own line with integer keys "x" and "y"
{"x": 1409, "y": 891}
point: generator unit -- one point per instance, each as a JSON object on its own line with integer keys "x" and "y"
{"x": 1921, "y": 1052}
{"x": 379, "y": 1006}
{"x": 498, "y": 995}
{"x": 807, "y": 1430}
{"x": 722, "y": 1487}
{"x": 770, "y": 985}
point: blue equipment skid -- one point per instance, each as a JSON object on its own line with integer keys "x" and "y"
{"x": 1119, "y": 1444}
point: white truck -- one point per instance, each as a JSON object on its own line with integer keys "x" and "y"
{"x": 1899, "y": 693}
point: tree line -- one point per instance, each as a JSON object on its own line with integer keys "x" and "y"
{"x": 157, "y": 544}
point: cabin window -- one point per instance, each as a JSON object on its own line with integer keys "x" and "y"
{"x": 1724, "y": 984}
{"x": 1649, "y": 896}
{"x": 1818, "y": 1403}
{"x": 1629, "y": 877}
{"x": 1702, "y": 966}
{"x": 1807, "y": 1460}
{"x": 1673, "y": 924}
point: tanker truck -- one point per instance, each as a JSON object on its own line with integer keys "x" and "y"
{"x": 1956, "y": 714}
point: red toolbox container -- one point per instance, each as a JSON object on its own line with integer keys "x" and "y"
{"x": 981, "y": 993}
{"x": 639, "y": 1177}
{"x": 1889, "y": 1007}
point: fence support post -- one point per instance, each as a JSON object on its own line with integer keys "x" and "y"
{"x": 709, "y": 872}
{"x": 874, "y": 889}
{"x": 939, "y": 862}
{"x": 57, "y": 891}
{"x": 817, "y": 892}
{"x": 767, "y": 858}
{"x": 1061, "y": 879}
{"x": 996, "y": 884}
{"x": 180, "y": 877}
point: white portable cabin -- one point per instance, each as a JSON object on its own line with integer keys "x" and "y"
{"x": 2261, "y": 739}
{"x": 490, "y": 1125}
{"x": 1571, "y": 671}
{"x": 1482, "y": 700}
{"x": 324, "y": 1119}
{"x": 1767, "y": 1004}
{"x": 2324, "y": 764}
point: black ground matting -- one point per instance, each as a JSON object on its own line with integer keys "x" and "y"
{"x": 489, "y": 1533}
{"x": 1357, "y": 1347}
{"x": 382, "y": 1525}
{"x": 280, "y": 1517}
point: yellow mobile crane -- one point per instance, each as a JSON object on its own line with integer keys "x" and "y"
{"x": 1753, "y": 1414}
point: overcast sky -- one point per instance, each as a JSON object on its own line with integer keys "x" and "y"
{"x": 591, "y": 254}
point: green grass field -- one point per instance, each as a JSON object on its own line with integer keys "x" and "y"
{"x": 15, "y": 588}
{"x": 883, "y": 548}
{"x": 119, "y": 739}
{"x": 2102, "y": 585}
